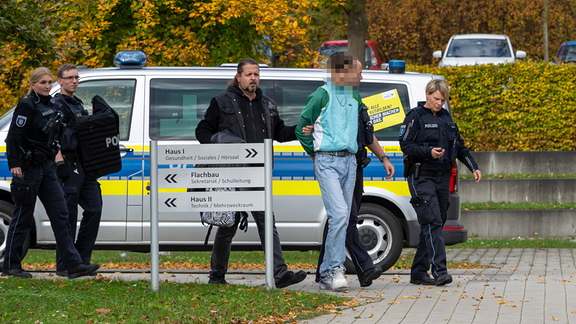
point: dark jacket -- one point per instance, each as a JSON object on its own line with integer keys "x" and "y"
{"x": 252, "y": 120}
{"x": 26, "y": 135}
{"x": 72, "y": 108}
{"x": 421, "y": 131}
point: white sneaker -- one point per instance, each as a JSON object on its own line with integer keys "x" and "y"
{"x": 334, "y": 281}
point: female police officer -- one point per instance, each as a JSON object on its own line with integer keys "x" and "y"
{"x": 430, "y": 138}
{"x": 31, "y": 150}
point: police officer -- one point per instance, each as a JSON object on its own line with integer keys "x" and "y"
{"x": 31, "y": 148}
{"x": 77, "y": 189}
{"x": 431, "y": 142}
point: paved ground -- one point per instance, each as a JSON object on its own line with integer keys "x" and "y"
{"x": 521, "y": 286}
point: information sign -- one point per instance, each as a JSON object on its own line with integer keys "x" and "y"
{"x": 211, "y": 178}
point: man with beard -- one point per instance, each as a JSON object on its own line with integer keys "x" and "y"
{"x": 251, "y": 116}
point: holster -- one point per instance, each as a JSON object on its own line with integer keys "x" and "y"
{"x": 408, "y": 164}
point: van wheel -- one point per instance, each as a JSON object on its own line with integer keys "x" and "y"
{"x": 381, "y": 235}
{"x": 6, "y": 212}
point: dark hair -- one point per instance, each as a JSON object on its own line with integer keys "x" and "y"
{"x": 340, "y": 62}
{"x": 240, "y": 69}
{"x": 65, "y": 67}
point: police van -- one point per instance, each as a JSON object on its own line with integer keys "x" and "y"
{"x": 177, "y": 97}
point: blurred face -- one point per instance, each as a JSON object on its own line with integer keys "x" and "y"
{"x": 43, "y": 86}
{"x": 434, "y": 101}
{"x": 350, "y": 76}
{"x": 69, "y": 82}
{"x": 249, "y": 79}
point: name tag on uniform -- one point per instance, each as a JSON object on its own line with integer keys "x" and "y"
{"x": 49, "y": 111}
{"x": 430, "y": 125}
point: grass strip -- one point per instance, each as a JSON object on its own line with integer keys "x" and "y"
{"x": 517, "y": 243}
{"x": 44, "y": 260}
{"x": 119, "y": 301}
{"x": 520, "y": 176}
{"x": 516, "y": 206}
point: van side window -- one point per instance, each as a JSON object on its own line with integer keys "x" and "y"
{"x": 291, "y": 98}
{"x": 178, "y": 105}
{"x": 119, "y": 94}
{"x": 372, "y": 88}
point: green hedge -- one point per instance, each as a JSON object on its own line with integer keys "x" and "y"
{"x": 525, "y": 106}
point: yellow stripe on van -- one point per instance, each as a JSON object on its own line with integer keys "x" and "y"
{"x": 115, "y": 187}
{"x": 311, "y": 188}
{"x": 288, "y": 148}
{"x": 298, "y": 148}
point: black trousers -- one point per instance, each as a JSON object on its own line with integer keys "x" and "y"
{"x": 39, "y": 181}
{"x": 223, "y": 245}
{"x": 361, "y": 259}
{"x": 430, "y": 201}
{"x": 87, "y": 194}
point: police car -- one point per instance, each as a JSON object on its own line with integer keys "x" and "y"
{"x": 177, "y": 97}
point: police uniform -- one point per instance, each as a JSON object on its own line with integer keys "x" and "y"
{"x": 429, "y": 181}
{"x": 30, "y": 146}
{"x": 77, "y": 189}
{"x": 360, "y": 258}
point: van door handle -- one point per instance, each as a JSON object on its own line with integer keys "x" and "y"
{"x": 124, "y": 150}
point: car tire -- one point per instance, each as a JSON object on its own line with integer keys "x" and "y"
{"x": 6, "y": 212}
{"x": 381, "y": 234}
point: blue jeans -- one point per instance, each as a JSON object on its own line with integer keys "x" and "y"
{"x": 336, "y": 177}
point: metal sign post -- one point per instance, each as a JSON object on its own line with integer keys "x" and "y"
{"x": 154, "y": 246}
{"x": 268, "y": 214}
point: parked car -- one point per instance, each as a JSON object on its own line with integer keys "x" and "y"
{"x": 166, "y": 104}
{"x": 474, "y": 49}
{"x": 566, "y": 53}
{"x": 374, "y": 53}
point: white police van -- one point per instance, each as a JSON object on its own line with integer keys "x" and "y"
{"x": 178, "y": 97}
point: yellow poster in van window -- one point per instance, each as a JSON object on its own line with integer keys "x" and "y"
{"x": 384, "y": 109}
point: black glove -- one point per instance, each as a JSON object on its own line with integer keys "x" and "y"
{"x": 62, "y": 171}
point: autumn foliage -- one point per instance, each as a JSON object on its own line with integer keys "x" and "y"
{"x": 412, "y": 29}
{"x": 171, "y": 33}
{"x": 526, "y": 106}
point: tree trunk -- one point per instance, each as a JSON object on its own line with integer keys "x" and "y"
{"x": 545, "y": 27}
{"x": 357, "y": 28}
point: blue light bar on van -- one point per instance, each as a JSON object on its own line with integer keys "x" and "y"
{"x": 130, "y": 59}
{"x": 396, "y": 66}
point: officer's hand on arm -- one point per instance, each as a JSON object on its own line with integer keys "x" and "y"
{"x": 437, "y": 152}
{"x": 16, "y": 172}
{"x": 477, "y": 175}
{"x": 307, "y": 130}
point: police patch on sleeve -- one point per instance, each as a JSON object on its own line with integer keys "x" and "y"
{"x": 21, "y": 120}
{"x": 402, "y": 130}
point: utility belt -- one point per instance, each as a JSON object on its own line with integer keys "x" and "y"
{"x": 335, "y": 153}
{"x": 417, "y": 171}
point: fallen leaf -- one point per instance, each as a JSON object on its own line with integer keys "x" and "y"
{"x": 371, "y": 315}
{"x": 554, "y": 319}
{"x": 102, "y": 310}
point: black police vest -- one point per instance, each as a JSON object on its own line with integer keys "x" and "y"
{"x": 36, "y": 134}
{"x": 99, "y": 140}
{"x": 73, "y": 110}
{"x": 437, "y": 131}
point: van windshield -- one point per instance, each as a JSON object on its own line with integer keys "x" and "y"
{"x": 479, "y": 48}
